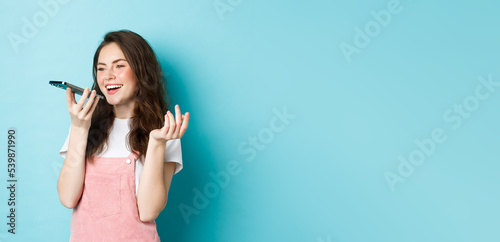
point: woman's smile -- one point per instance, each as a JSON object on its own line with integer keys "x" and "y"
{"x": 113, "y": 88}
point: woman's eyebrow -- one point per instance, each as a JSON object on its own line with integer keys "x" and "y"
{"x": 100, "y": 63}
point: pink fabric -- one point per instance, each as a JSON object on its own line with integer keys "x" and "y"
{"x": 107, "y": 210}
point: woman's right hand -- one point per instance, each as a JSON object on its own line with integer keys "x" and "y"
{"x": 81, "y": 116}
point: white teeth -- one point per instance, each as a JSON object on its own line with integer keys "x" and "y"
{"x": 113, "y": 86}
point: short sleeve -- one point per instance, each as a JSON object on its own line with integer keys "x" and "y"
{"x": 64, "y": 148}
{"x": 173, "y": 153}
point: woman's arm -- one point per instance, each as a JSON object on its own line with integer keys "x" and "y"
{"x": 152, "y": 194}
{"x": 70, "y": 182}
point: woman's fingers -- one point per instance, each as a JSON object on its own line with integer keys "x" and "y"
{"x": 166, "y": 124}
{"x": 93, "y": 106}
{"x": 80, "y": 115}
{"x": 171, "y": 129}
{"x": 89, "y": 103}
{"x": 96, "y": 101}
{"x": 70, "y": 97}
{"x": 83, "y": 98}
{"x": 184, "y": 126}
{"x": 178, "y": 119}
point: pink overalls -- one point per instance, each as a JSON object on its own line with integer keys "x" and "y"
{"x": 107, "y": 210}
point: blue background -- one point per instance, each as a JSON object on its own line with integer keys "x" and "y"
{"x": 319, "y": 178}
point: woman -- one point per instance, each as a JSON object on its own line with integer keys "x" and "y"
{"x": 120, "y": 154}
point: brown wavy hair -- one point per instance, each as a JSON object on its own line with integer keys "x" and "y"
{"x": 150, "y": 95}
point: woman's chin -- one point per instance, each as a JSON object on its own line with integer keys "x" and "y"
{"x": 112, "y": 101}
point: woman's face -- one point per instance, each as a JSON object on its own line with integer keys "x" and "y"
{"x": 115, "y": 77}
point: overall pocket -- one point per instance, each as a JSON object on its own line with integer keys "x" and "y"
{"x": 101, "y": 195}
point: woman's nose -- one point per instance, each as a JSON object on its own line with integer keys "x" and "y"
{"x": 109, "y": 76}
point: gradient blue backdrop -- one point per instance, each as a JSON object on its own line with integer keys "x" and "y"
{"x": 233, "y": 64}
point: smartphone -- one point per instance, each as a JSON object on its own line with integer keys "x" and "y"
{"x": 75, "y": 89}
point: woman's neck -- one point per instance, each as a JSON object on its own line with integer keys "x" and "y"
{"x": 124, "y": 111}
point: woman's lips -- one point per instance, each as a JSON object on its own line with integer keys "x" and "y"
{"x": 113, "y": 91}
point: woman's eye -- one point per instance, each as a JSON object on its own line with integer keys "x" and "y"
{"x": 100, "y": 69}
{"x": 120, "y": 66}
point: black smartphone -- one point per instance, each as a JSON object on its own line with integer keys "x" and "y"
{"x": 75, "y": 89}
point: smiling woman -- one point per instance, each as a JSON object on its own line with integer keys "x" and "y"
{"x": 116, "y": 78}
{"x": 120, "y": 156}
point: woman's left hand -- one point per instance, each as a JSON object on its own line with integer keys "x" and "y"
{"x": 173, "y": 128}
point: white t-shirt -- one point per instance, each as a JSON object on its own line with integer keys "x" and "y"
{"x": 118, "y": 148}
